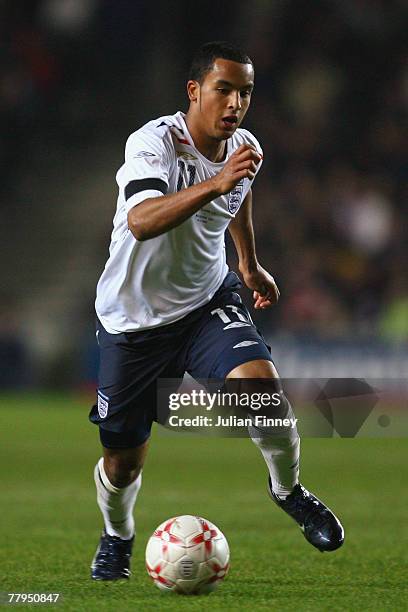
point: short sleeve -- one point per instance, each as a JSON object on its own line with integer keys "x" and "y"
{"x": 145, "y": 173}
{"x": 250, "y": 139}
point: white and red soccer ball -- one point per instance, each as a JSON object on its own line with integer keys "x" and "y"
{"x": 187, "y": 554}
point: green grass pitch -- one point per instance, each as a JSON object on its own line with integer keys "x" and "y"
{"x": 50, "y": 523}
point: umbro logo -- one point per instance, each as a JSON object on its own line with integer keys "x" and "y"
{"x": 236, "y": 324}
{"x": 144, "y": 154}
{"x": 245, "y": 343}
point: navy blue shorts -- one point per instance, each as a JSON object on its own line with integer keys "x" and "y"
{"x": 207, "y": 343}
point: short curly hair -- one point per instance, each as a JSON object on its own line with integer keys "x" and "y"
{"x": 205, "y": 57}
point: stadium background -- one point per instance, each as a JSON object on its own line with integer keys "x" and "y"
{"x": 330, "y": 109}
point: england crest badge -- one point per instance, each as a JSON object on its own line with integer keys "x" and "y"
{"x": 235, "y": 197}
{"x": 103, "y": 405}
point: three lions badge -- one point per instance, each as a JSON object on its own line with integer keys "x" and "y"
{"x": 103, "y": 405}
{"x": 235, "y": 197}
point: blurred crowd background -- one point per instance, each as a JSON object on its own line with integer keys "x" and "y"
{"x": 330, "y": 109}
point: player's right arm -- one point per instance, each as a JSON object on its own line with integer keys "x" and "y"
{"x": 157, "y": 215}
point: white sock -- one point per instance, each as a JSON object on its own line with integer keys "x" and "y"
{"x": 282, "y": 458}
{"x": 116, "y": 504}
{"x": 280, "y": 447}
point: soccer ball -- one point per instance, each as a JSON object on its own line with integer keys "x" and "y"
{"x": 187, "y": 554}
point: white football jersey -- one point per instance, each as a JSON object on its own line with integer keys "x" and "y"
{"x": 154, "y": 282}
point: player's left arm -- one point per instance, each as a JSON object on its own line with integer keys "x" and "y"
{"x": 265, "y": 290}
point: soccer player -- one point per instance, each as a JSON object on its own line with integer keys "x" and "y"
{"x": 167, "y": 304}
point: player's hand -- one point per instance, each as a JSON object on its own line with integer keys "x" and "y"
{"x": 241, "y": 164}
{"x": 266, "y": 292}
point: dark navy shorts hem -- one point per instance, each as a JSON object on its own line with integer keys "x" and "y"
{"x": 231, "y": 364}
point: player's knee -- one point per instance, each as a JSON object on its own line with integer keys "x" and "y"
{"x": 122, "y": 466}
{"x": 265, "y": 402}
{"x": 121, "y": 473}
{"x": 280, "y": 423}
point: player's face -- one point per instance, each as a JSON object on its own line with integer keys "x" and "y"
{"x": 224, "y": 97}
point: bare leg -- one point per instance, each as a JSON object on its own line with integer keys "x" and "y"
{"x": 279, "y": 446}
{"x": 259, "y": 368}
{"x": 123, "y": 465}
{"x": 118, "y": 480}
